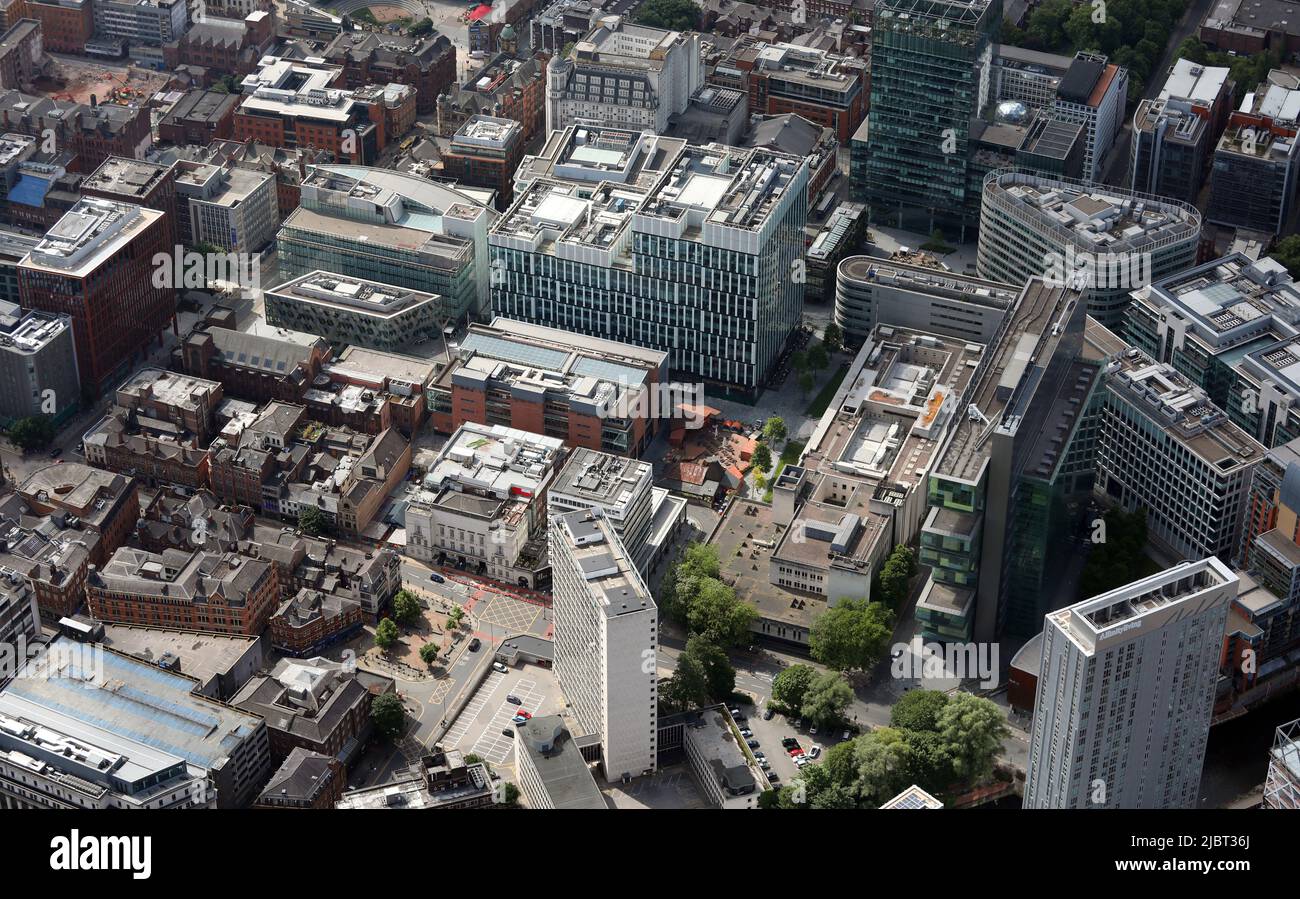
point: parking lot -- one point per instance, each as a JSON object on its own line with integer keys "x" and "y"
{"x": 478, "y": 728}
{"x": 769, "y": 735}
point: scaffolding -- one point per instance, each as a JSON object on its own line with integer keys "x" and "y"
{"x": 1282, "y": 786}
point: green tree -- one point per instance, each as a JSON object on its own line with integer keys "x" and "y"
{"x": 406, "y": 608}
{"x": 762, "y": 457}
{"x": 313, "y": 521}
{"x": 509, "y": 796}
{"x": 1287, "y": 252}
{"x": 388, "y": 715}
{"x": 972, "y": 730}
{"x": 833, "y": 337}
{"x": 454, "y": 617}
{"x": 840, "y": 764}
{"x": 884, "y": 763}
{"x": 674, "y": 15}
{"x": 931, "y": 760}
{"x": 33, "y": 432}
{"x": 918, "y": 710}
{"x": 422, "y": 27}
{"x": 799, "y": 361}
{"x": 806, "y": 383}
{"x": 852, "y": 634}
{"x": 826, "y": 698}
{"x": 429, "y": 653}
{"x": 386, "y": 634}
{"x": 716, "y": 614}
{"x": 818, "y": 358}
{"x": 774, "y": 429}
{"x": 1192, "y": 50}
{"x": 791, "y": 685}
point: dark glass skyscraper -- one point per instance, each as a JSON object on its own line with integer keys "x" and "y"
{"x": 930, "y": 76}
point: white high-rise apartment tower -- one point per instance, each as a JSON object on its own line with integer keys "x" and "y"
{"x": 1126, "y": 692}
{"x": 606, "y": 637}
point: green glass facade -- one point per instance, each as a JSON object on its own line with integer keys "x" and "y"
{"x": 930, "y": 65}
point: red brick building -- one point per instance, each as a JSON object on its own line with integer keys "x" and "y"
{"x": 308, "y": 622}
{"x": 66, "y": 24}
{"x": 96, "y": 265}
{"x": 426, "y": 63}
{"x": 223, "y": 593}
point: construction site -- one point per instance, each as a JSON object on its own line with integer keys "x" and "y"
{"x": 79, "y": 81}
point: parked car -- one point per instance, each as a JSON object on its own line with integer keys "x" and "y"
{"x": 768, "y": 714}
{"x": 513, "y": 699}
{"x": 498, "y": 666}
{"x": 519, "y": 719}
{"x": 796, "y": 752}
{"x": 55, "y": 453}
{"x": 752, "y": 744}
{"x": 789, "y": 742}
{"x": 764, "y": 764}
{"x": 813, "y": 730}
{"x": 525, "y": 714}
{"x": 474, "y": 645}
{"x": 773, "y": 777}
{"x": 848, "y": 734}
{"x": 814, "y": 751}
{"x": 508, "y": 732}
{"x": 746, "y": 732}
{"x": 760, "y": 755}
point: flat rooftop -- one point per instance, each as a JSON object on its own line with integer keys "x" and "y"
{"x": 1232, "y": 302}
{"x": 131, "y": 178}
{"x": 1182, "y": 409}
{"x": 613, "y": 583}
{"x": 133, "y": 700}
{"x": 1095, "y": 219}
{"x": 601, "y": 478}
{"x": 202, "y": 656}
{"x": 352, "y": 295}
{"x": 1186, "y": 589}
{"x": 88, "y": 235}
{"x": 1024, "y": 340}
{"x": 559, "y": 763}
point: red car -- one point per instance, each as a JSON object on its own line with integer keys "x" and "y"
{"x": 523, "y": 714}
{"x": 796, "y": 752}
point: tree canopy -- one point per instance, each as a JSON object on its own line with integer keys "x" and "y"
{"x": 826, "y": 698}
{"x": 674, "y": 15}
{"x": 313, "y": 521}
{"x": 386, "y": 634}
{"x": 852, "y": 634}
{"x": 789, "y": 687}
{"x": 406, "y": 608}
{"x": 388, "y": 715}
{"x": 693, "y": 593}
{"x": 33, "y": 432}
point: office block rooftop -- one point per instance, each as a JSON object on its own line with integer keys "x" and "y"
{"x": 612, "y": 580}
{"x": 710, "y": 194}
{"x": 127, "y": 700}
{"x": 1233, "y": 303}
{"x": 353, "y": 294}
{"x": 1096, "y": 624}
{"x": 128, "y": 177}
{"x": 601, "y": 479}
{"x": 294, "y": 88}
{"x": 489, "y": 469}
{"x": 88, "y": 235}
{"x": 1095, "y": 219}
{"x": 1180, "y": 407}
{"x": 1031, "y": 336}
